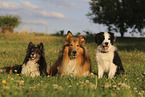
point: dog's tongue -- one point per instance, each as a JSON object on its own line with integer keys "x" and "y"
{"x": 74, "y": 56}
{"x": 105, "y": 47}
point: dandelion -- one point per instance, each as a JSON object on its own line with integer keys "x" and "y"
{"x": 107, "y": 85}
{"x": 12, "y": 78}
{"x": 136, "y": 91}
{"x": 3, "y": 81}
{"x": 81, "y": 82}
{"x": 142, "y": 91}
{"x": 118, "y": 88}
{"x": 17, "y": 74}
{"x": 21, "y": 82}
{"x": 140, "y": 94}
{"x": 6, "y": 87}
{"x": 114, "y": 86}
{"x": 55, "y": 86}
{"x": 124, "y": 85}
{"x": 70, "y": 86}
{"x": 77, "y": 84}
{"x": 93, "y": 86}
{"x": 29, "y": 93}
{"x": 125, "y": 79}
{"x": 87, "y": 81}
{"x": 135, "y": 88}
{"x": 48, "y": 75}
{"x": 60, "y": 88}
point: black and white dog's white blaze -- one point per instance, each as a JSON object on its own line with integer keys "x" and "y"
{"x": 107, "y": 57}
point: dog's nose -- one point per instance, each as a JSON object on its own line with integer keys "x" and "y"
{"x": 74, "y": 52}
{"x": 106, "y": 43}
{"x": 32, "y": 54}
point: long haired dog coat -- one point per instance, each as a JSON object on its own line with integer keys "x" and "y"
{"x": 73, "y": 59}
{"x": 107, "y": 57}
{"x": 34, "y": 63}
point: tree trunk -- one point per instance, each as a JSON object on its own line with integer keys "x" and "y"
{"x": 122, "y": 34}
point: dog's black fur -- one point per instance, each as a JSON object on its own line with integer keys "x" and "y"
{"x": 35, "y": 53}
{"x": 107, "y": 39}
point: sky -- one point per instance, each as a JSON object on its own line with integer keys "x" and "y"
{"x": 51, "y": 16}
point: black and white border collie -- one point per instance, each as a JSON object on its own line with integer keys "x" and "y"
{"x": 34, "y": 63}
{"x": 107, "y": 57}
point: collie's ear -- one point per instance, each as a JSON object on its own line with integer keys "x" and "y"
{"x": 69, "y": 35}
{"x": 82, "y": 40}
{"x": 40, "y": 46}
{"x": 113, "y": 38}
{"x": 30, "y": 45}
{"x": 99, "y": 38}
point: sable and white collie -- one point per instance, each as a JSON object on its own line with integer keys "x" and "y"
{"x": 34, "y": 63}
{"x": 107, "y": 57}
{"x": 73, "y": 59}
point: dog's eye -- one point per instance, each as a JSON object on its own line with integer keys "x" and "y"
{"x": 71, "y": 45}
{"x": 78, "y": 45}
{"x": 108, "y": 38}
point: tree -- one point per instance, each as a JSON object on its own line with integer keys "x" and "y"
{"x": 119, "y": 15}
{"x": 9, "y": 22}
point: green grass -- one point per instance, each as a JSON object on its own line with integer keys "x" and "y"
{"x": 13, "y": 49}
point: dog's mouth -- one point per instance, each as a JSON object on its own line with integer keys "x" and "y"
{"x": 33, "y": 56}
{"x": 105, "y": 47}
{"x": 73, "y": 55}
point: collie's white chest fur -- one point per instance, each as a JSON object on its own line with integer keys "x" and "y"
{"x": 31, "y": 69}
{"x": 70, "y": 68}
{"x": 105, "y": 62}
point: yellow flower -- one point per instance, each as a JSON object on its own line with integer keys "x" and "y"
{"x": 3, "y": 81}
{"x": 125, "y": 78}
{"x": 17, "y": 74}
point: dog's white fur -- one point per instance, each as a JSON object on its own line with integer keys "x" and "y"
{"x": 31, "y": 69}
{"x": 70, "y": 68}
{"x": 105, "y": 60}
{"x": 105, "y": 63}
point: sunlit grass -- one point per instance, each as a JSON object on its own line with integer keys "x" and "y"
{"x": 13, "y": 49}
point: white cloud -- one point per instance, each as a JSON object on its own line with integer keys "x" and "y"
{"x": 9, "y": 5}
{"x": 29, "y": 5}
{"x": 85, "y": 0}
{"x": 40, "y": 22}
{"x": 59, "y": 4}
{"x": 50, "y": 14}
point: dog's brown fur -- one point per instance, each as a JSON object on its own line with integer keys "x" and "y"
{"x": 73, "y": 58}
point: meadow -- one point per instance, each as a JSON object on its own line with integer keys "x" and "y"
{"x": 13, "y": 50}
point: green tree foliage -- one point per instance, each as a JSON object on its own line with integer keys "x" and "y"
{"x": 9, "y": 22}
{"x": 119, "y": 15}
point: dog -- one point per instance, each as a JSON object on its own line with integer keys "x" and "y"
{"x": 107, "y": 56}
{"x": 73, "y": 59}
{"x": 34, "y": 63}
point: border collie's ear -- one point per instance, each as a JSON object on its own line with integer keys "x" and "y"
{"x": 30, "y": 45}
{"x": 69, "y": 35}
{"x": 113, "y": 38}
{"x": 40, "y": 46}
{"x": 99, "y": 38}
{"x": 82, "y": 40}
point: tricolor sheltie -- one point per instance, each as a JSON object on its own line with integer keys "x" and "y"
{"x": 73, "y": 59}
{"x": 34, "y": 63}
{"x": 106, "y": 54}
